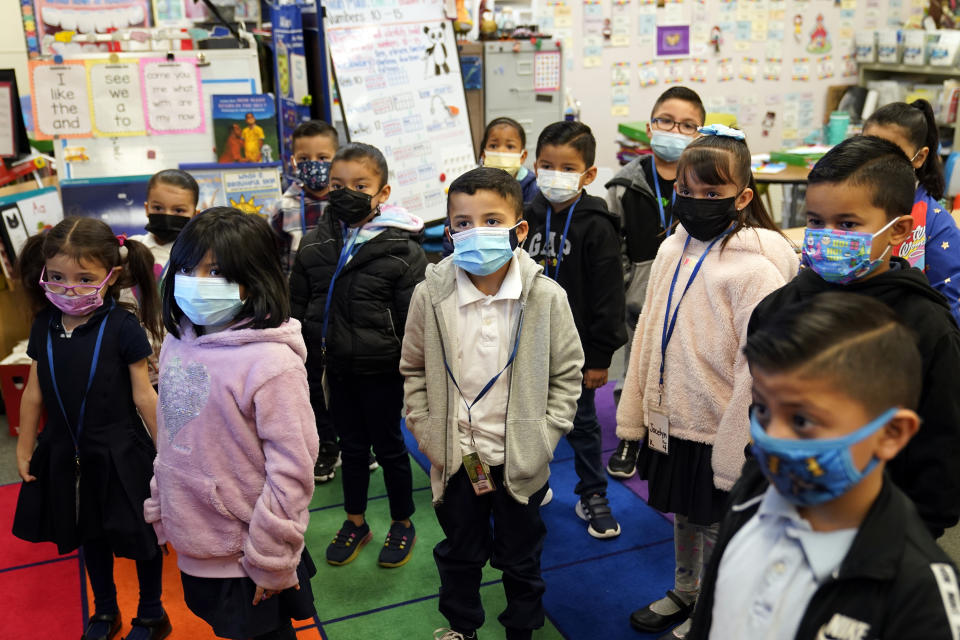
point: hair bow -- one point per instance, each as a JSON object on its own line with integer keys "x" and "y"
{"x": 723, "y": 131}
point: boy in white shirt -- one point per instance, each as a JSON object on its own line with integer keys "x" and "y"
{"x": 492, "y": 363}
{"x": 819, "y": 543}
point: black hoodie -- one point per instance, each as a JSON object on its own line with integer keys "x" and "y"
{"x": 928, "y": 469}
{"x": 590, "y": 271}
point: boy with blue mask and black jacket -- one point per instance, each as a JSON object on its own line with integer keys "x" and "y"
{"x": 577, "y": 241}
{"x": 858, "y": 203}
{"x": 492, "y": 366}
{"x": 819, "y": 542}
{"x": 642, "y": 196}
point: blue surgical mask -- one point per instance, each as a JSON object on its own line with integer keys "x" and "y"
{"x": 313, "y": 174}
{"x": 669, "y": 145}
{"x": 840, "y": 256}
{"x": 811, "y": 472}
{"x": 483, "y": 250}
{"x": 207, "y": 302}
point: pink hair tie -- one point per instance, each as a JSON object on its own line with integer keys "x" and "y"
{"x": 122, "y": 238}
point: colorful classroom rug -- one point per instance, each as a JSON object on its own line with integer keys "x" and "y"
{"x": 592, "y": 585}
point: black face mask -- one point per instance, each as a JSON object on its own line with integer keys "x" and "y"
{"x": 704, "y": 218}
{"x": 349, "y": 206}
{"x": 165, "y": 227}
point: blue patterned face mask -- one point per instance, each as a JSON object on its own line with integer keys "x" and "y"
{"x": 483, "y": 250}
{"x": 811, "y": 472}
{"x": 840, "y": 256}
{"x": 313, "y": 174}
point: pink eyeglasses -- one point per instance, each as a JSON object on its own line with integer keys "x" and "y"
{"x": 79, "y": 289}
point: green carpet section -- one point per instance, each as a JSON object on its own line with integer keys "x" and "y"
{"x": 362, "y": 599}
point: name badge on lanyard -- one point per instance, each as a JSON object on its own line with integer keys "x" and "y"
{"x": 476, "y": 467}
{"x": 658, "y": 429}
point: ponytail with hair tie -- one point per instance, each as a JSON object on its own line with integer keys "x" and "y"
{"x": 122, "y": 239}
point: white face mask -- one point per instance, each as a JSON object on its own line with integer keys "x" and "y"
{"x": 558, "y": 186}
{"x": 509, "y": 162}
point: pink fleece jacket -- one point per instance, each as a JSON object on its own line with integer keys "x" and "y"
{"x": 237, "y": 442}
{"x": 707, "y": 384}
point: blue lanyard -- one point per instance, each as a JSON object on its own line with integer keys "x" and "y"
{"x": 493, "y": 380}
{"x": 669, "y": 324}
{"x": 673, "y": 198}
{"x": 341, "y": 263}
{"x": 563, "y": 240}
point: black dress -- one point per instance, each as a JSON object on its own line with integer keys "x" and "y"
{"x": 682, "y": 482}
{"x": 116, "y": 452}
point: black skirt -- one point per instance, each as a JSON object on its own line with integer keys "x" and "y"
{"x": 681, "y": 482}
{"x": 226, "y": 603}
{"x": 116, "y": 464}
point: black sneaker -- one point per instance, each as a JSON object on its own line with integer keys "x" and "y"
{"x": 396, "y": 550}
{"x": 348, "y": 542}
{"x": 623, "y": 462}
{"x": 372, "y": 464}
{"x": 596, "y": 511}
{"x": 327, "y": 462}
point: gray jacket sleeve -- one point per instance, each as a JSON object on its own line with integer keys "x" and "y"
{"x": 566, "y": 364}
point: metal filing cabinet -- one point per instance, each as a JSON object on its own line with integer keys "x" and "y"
{"x": 509, "y": 88}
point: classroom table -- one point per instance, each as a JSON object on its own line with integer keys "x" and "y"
{"x": 794, "y": 180}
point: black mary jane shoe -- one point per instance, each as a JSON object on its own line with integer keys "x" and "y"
{"x": 112, "y": 619}
{"x": 159, "y": 628}
{"x": 649, "y": 621}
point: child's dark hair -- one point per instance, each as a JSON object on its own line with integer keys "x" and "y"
{"x": 681, "y": 93}
{"x": 919, "y": 124}
{"x": 358, "y": 151}
{"x": 573, "y": 134}
{"x": 175, "y": 178}
{"x": 246, "y": 253}
{"x": 719, "y": 160}
{"x": 504, "y": 122}
{"x": 90, "y": 239}
{"x": 875, "y": 163}
{"x": 854, "y": 342}
{"x": 488, "y": 179}
{"x": 312, "y": 128}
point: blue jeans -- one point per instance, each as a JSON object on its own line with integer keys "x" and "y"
{"x": 587, "y": 446}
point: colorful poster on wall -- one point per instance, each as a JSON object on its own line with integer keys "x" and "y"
{"x": 290, "y": 71}
{"x": 61, "y": 106}
{"x": 116, "y": 98}
{"x": 171, "y": 96}
{"x": 673, "y": 41}
{"x": 245, "y": 128}
{"x": 27, "y": 214}
{"x": 254, "y": 188}
{"x": 49, "y": 17}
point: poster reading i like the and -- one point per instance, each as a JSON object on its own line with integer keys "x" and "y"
{"x": 401, "y": 90}
{"x": 61, "y": 106}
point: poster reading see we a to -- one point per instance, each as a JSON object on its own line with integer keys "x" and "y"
{"x": 101, "y": 98}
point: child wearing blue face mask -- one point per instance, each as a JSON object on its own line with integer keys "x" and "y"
{"x": 642, "y": 196}
{"x": 820, "y": 542}
{"x": 233, "y": 476}
{"x": 351, "y": 286}
{"x": 576, "y": 240}
{"x": 314, "y": 144}
{"x": 858, "y": 207}
{"x": 492, "y": 365}
{"x": 86, "y": 476}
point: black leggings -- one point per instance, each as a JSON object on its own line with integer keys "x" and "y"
{"x": 98, "y": 557}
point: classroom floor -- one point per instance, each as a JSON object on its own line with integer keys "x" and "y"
{"x": 592, "y": 585}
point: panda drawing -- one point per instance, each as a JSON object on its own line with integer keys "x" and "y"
{"x": 437, "y": 50}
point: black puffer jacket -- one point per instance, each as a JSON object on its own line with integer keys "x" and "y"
{"x": 368, "y": 309}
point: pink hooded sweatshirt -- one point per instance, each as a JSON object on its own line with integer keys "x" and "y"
{"x": 236, "y": 446}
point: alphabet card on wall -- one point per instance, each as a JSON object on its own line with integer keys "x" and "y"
{"x": 171, "y": 95}
{"x": 27, "y": 214}
{"x": 116, "y": 98}
{"x": 61, "y": 107}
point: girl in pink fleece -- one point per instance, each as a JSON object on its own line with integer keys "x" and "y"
{"x": 687, "y": 388}
{"x": 237, "y": 440}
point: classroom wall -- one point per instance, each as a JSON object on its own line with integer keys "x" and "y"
{"x": 13, "y": 45}
{"x": 763, "y": 64}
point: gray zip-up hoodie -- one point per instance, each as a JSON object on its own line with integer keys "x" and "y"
{"x": 545, "y": 378}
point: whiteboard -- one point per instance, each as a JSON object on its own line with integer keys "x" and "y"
{"x": 398, "y": 75}
{"x": 231, "y": 71}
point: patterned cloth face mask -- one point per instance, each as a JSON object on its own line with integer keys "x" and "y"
{"x": 841, "y": 257}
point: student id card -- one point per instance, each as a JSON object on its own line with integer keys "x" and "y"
{"x": 658, "y": 431}
{"x": 479, "y": 473}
